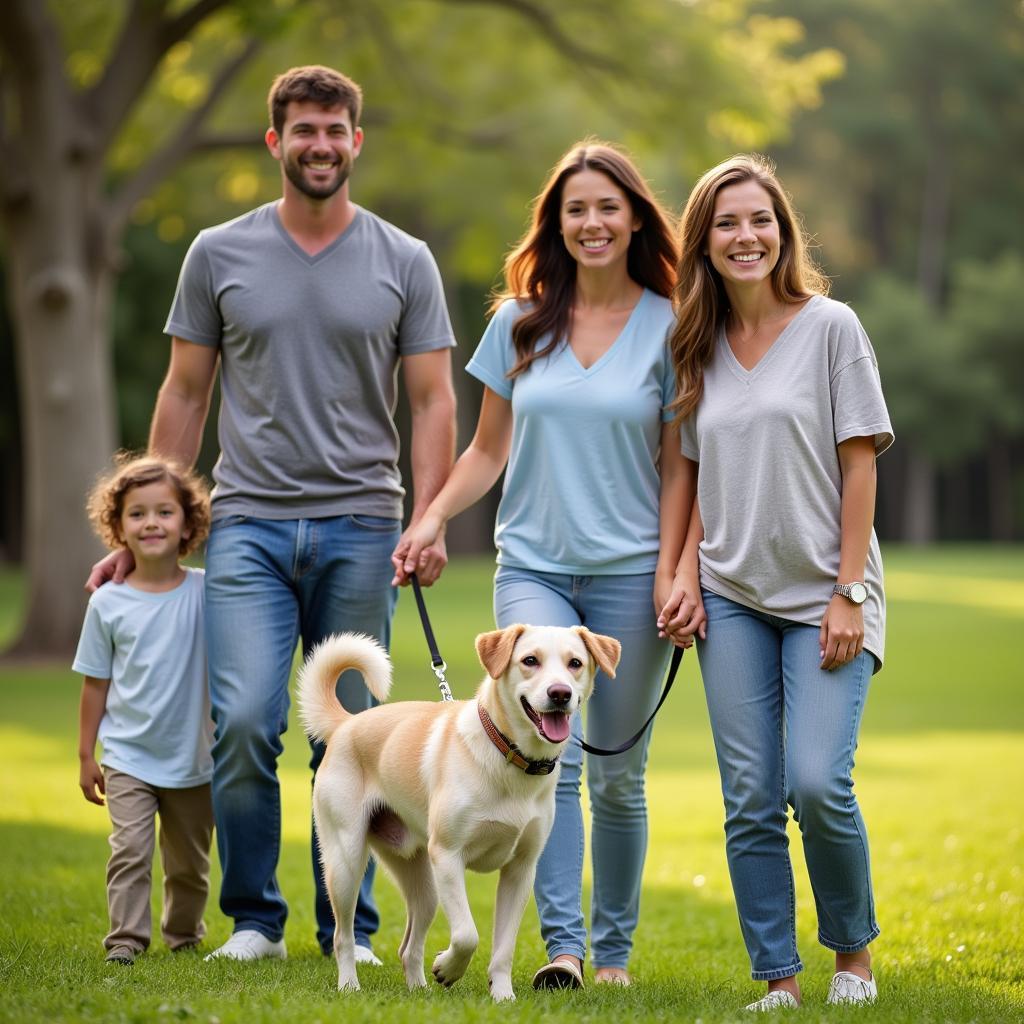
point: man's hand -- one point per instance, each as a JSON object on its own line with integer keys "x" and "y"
{"x": 113, "y": 568}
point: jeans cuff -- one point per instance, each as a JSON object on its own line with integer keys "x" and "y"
{"x": 256, "y": 926}
{"x": 778, "y": 972}
{"x": 848, "y": 947}
{"x": 576, "y": 951}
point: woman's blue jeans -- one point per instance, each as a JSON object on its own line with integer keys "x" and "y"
{"x": 785, "y": 733}
{"x": 622, "y": 607}
{"x": 268, "y": 583}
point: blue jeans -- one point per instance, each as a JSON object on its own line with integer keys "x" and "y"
{"x": 268, "y": 583}
{"x": 622, "y": 607}
{"x": 785, "y": 733}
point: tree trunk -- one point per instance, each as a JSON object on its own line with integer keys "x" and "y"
{"x": 60, "y": 289}
{"x": 919, "y": 500}
{"x": 1000, "y": 490}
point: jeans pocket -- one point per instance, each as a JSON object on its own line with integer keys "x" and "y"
{"x": 220, "y": 524}
{"x": 374, "y": 524}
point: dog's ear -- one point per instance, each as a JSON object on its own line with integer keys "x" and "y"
{"x": 495, "y": 649}
{"x": 605, "y": 650}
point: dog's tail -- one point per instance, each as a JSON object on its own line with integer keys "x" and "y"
{"x": 320, "y": 711}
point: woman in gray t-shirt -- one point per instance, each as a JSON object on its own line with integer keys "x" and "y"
{"x": 781, "y": 579}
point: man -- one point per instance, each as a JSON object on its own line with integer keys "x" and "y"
{"x": 309, "y": 304}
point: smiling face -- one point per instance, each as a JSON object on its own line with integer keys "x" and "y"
{"x": 153, "y": 523}
{"x": 596, "y": 220}
{"x": 317, "y": 148}
{"x": 743, "y": 242}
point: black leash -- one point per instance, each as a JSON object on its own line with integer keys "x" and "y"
{"x": 437, "y": 663}
{"x": 673, "y": 668}
{"x": 438, "y": 667}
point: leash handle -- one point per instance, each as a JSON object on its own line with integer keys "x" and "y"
{"x": 437, "y": 663}
{"x": 673, "y": 668}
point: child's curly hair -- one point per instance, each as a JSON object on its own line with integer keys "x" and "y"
{"x": 106, "y": 501}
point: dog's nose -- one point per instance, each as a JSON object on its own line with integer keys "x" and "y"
{"x": 559, "y": 694}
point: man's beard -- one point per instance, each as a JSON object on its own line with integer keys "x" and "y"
{"x": 294, "y": 171}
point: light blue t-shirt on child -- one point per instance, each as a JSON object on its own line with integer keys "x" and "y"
{"x": 152, "y": 648}
{"x": 582, "y": 485}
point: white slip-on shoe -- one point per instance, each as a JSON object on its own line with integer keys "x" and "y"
{"x": 365, "y": 955}
{"x": 249, "y": 944}
{"x": 777, "y": 999}
{"x": 847, "y": 987}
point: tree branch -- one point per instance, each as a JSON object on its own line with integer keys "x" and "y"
{"x": 551, "y": 30}
{"x": 182, "y": 143}
{"x": 146, "y": 35}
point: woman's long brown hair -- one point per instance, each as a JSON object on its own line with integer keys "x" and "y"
{"x": 541, "y": 273}
{"x": 699, "y": 296}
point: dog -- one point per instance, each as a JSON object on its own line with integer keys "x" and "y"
{"x": 434, "y": 788}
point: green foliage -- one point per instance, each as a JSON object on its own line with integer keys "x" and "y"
{"x": 938, "y": 390}
{"x": 939, "y": 776}
{"x": 984, "y": 311}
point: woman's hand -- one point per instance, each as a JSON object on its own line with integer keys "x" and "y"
{"x": 682, "y": 615}
{"x": 842, "y": 632}
{"x": 113, "y": 567}
{"x": 421, "y": 550}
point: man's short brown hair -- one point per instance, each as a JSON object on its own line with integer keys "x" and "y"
{"x": 313, "y": 83}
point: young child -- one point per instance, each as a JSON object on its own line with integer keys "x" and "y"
{"x": 143, "y": 655}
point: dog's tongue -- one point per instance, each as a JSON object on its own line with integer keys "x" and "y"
{"x": 554, "y": 725}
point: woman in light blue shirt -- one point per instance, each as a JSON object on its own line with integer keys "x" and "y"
{"x": 578, "y": 380}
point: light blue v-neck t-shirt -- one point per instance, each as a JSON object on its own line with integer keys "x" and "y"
{"x": 582, "y": 485}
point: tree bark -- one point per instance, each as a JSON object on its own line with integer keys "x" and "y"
{"x": 1000, "y": 490}
{"x": 919, "y": 500}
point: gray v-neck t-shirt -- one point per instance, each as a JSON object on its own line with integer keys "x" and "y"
{"x": 309, "y": 351}
{"x": 770, "y": 486}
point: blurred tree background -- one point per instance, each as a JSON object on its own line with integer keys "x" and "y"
{"x": 138, "y": 122}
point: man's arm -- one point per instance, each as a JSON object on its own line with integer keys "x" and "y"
{"x": 176, "y": 431}
{"x": 183, "y": 402}
{"x": 428, "y": 384}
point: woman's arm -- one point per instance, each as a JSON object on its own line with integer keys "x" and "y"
{"x": 90, "y": 714}
{"x": 678, "y": 487}
{"x": 842, "y": 628}
{"x": 683, "y": 613}
{"x": 473, "y": 475}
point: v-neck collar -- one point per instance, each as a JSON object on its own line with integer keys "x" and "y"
{"x": 738, "y": 369}
{"x": 587, "y": 371}
{"x": 299, "y": 251}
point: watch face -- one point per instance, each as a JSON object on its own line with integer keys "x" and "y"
{"x": 858, "y": 593}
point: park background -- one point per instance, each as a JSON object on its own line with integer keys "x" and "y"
{"x": 125, "y": 127}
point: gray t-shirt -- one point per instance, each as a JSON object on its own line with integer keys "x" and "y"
{"x": 770, "y": 486}
{"x": 309, "y": 349}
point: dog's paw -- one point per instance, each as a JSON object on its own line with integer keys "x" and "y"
{"x": 449, "y": 966}
{"x": 415, "y": 979}
{"x": 348, "y": 984}
{"x": 501, "y": 990}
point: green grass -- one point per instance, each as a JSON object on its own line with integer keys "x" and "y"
{"x": 940, "y": 777}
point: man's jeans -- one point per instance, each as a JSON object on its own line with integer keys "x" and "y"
{"x": 785, "y": 733}
{"x": 268, "y": 583}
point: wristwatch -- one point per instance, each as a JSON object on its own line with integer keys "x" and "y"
{"x": 855, "y": 592}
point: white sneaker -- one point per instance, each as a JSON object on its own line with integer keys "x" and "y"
{"x": 365, "y": 955}
{"x": 777, "y": 999}
{"x": 847, "y": 987}
{"x": 249, "y": 944}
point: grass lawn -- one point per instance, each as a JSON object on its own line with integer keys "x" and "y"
{"x": 940, "y": 778}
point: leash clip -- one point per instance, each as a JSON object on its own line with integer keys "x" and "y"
{"x": 442, "y": 683}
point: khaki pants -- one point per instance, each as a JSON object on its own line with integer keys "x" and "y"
{"x": 186, "y": 824}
